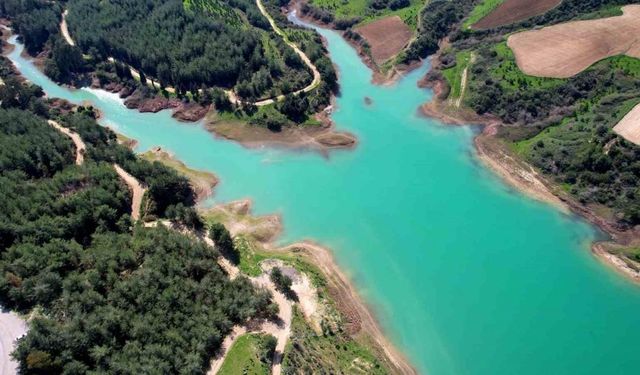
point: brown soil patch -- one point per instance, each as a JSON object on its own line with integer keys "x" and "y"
{"x": 564, "y": 50}
{"x": 512, "y": 11}
{"x": 629, "y": 126}
{"x": 387, "y": 37}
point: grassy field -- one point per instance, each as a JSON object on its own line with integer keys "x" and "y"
{"x": 246, "y": 357}
{"x": 453, "y": 75}
{"x": 360, "y": 8}
{"x": 481, "y": 10}
{"x": 510, "y": 76}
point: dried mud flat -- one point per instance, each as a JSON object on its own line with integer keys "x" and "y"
{"x": 387, "y": 37}
{"x": 512, "y": 11}
{"x": 629, "y": 126}
{"x": 564, "y": 50}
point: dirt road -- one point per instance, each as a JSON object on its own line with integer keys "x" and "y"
{"x": 136, "y": 188}
{"x": 81, "y": 148}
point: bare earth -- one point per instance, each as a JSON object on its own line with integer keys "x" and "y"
{"x": 629, "y": 126}
{"x": 11, "y": 328}
{"x": 564, "y": 50}
{"x": 387, "y": 37}
{"x": 512, "y": 11}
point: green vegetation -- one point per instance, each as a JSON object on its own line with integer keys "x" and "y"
{"x": 510, "y": 77}
{"x": 283, "y": 283}
{"x": 105, "y": 297}
{"x": 437, "y": 20}
{"x": 453, "y": 75}
{"x": 344, "y": 14}
{"x": 561, "y": 126}
{"x": 331, "y": 352}
{"x": 480, "y": 11}
{"x": 216, "y": 44}
{"x": 250, "y": 355}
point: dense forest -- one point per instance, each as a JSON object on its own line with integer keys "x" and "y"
{"x": 561, "y": 126}
{"x": 191, "y": 46}
{"x": 104, "y": 297}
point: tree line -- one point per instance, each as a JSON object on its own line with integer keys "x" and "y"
{"x": 108, "y": 297}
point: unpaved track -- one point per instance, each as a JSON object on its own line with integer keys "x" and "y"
{"x": 11, "y": 328}
{"x": 81, "y": 148}
{"x": 303, "y": 56}
{"x": 136, "y": 188}
{"x": 465, "y": 80}
{"x": 564, "y": 50}
{"x": 65, "y": 30}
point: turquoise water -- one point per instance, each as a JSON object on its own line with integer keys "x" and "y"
{"x": 465, "y": 275}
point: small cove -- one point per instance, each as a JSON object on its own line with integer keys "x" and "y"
{"x": 465, "y": 275}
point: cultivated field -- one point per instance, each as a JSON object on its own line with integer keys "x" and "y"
{"x": 387, "y": 37}
{"x": 564, "y": 50}
{"x": 629, "y": 126}
{"x": 511, "y": 11}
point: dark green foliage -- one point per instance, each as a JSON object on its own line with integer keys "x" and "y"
{"x": 14, "y": 94}
{"x": 268, "y": 345}
{"x": 295, "y": 107}
{"x": 165, "y": 187}
{"x": 283, "y": 283}
{"x": 65, "y": 60}
{"x": 223, "y": 242}
{"x": 110, "y": 299}
{"x": 34, "y": 20}
{"x": 437, "y": 20}
{"x": 186, "y": 48}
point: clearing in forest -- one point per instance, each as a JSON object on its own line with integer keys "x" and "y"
{"x": 511, "y": 11}
{"x": 386, "y": 37}
{"x": 564, "y": 50}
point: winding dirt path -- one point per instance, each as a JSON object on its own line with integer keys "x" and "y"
{"x": 81, "y": 148}
{"x": 303, "y": 56}
{"x": 233, "y": 98}
{"x": 65, "y": 30}
{"x": 280, "y": 330}
{"x": 136, "y": 188}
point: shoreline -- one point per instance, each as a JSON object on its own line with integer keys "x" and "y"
{"x": 377, "y": 76}
{"x": 523, "y": 177}
{"x": 360, "y": 316}
{"x": 349, "y": 302}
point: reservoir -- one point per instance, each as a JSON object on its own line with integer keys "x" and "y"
{"x": 465, "y": 275}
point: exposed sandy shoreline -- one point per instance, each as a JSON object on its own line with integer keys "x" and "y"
{"x": 524, "y": 177}
{"x": 621, "y": 264}
{"x": 360, "y": 316}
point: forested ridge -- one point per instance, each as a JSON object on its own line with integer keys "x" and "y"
{"x": 104, "y": 295}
